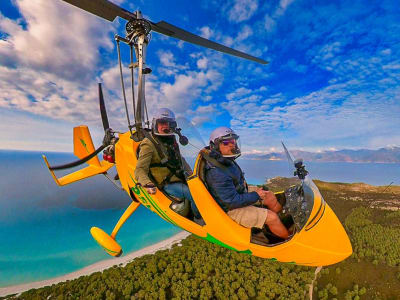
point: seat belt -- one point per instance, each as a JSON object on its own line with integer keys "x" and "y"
{"x": 162, "y": 152}
{"x": 216, "y": 163}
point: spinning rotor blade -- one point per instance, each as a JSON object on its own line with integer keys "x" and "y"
{"x": 103, "y": 8}
{"x": 296, "y": 165}
{"x": 103, "y": 111}
{"x": 180, "y": 34}
{"x": 288, "y": 155}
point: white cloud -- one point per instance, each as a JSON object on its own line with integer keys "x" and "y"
{"x": 386, "y": 52}
{"x": 41, "y": 45}
{"x": 169, "y": 66}
{"x": 206, "y": 32}
{"x": 25, "y": 131}
{"x": 166, "y": 58}
{"x": 295, "y": 66}
{"x": 359, "y": 121}
{"x": 241, "y": 10}
{"x": 271, "y": 18}
{"x": 283, "y": 6}
{"x": 238, "y": 93}
{"x": 202, "y": 63}
{"x": 244, "y": 33}
{"x": 204, "y": 114}
{"x": 186, "y": 88}
{"x": 269, "y": 23}
{"x": 48, "y": 95}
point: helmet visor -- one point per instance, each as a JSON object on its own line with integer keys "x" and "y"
{"x": 229, "y": 146}
{"x": 165, "y": 127}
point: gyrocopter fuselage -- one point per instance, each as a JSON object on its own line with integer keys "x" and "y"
{"x": 319, "y": 238}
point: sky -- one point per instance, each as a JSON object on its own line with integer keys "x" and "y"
{"x": 333, "y": 81}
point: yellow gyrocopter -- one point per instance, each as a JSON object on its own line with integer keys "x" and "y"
{"x": 319, "y": 238}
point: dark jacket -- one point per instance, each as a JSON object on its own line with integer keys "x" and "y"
{"x": 221, "y": 184}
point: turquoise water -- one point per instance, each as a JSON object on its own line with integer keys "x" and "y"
{"x": 44, "y": 229}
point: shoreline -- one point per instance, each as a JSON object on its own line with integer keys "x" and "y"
{"x": 96, "y": 267}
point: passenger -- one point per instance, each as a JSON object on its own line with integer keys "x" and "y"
{"x": 227, "y": 185}
{"x": 160, "y": 160}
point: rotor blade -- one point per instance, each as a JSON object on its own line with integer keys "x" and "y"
{"x": 103, "y": 111}
{"x": 78, "y": 162}
{"x": 178, "y": 33}
{"x": 103, "y": 8}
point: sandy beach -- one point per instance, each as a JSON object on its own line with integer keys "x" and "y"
{"x": 99, "y": 266}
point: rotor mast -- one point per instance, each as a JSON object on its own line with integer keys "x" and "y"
{"x": 137, "y": 35}
{"x": 138, "y": 30}
{"x": 141, "y": 31}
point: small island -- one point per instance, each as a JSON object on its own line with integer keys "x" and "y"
{"x": 196, "y": 269}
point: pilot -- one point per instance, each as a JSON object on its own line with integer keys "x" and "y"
{"x": 226, "y": 183}
{"x": 160, "y": 164}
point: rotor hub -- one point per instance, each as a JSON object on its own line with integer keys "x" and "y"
{"x": 138, "y": 27}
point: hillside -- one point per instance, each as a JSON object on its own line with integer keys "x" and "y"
{"x": 382, "y": 155}
{"x": 201, "y": 270}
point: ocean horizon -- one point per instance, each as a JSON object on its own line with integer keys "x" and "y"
{"x": 45, "y": 228}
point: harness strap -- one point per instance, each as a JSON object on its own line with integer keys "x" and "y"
{"x": 242, "y": 176}
{"x": 224, "y": 168}
{"x": 162, "y": 152}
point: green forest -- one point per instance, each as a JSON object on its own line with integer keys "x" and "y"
{"x": 197, "y": 269}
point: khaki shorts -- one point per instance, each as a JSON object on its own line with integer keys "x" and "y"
{"x": 249, "y": 216}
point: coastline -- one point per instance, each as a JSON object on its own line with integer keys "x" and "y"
{"x": 96, "y": 267}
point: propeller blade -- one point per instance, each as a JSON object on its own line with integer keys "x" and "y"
{"x": 103, "y": 8}
{"x": 178, "y": 33}
{"x": 288, "y": 155}
{"x": 103, "y": 110}
{"x": 78, "y": 162}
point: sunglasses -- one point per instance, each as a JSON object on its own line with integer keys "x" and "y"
{"x": 163, "y": 122}
{"x": 227, "y": 142}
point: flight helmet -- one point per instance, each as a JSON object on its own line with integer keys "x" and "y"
{"x": 166, "y": 118}
{"x": 225, "y": 135}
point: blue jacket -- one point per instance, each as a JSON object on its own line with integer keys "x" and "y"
{"x": 221, "y": 185}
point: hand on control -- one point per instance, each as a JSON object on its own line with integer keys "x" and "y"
{"x": 150, "y": 188}
{"x": 266, "y": 196}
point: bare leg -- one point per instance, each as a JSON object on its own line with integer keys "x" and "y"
{"x": 272, "y": 203}
{"x": 275, "y": 225}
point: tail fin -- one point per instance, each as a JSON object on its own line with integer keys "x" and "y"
{"x": 83, "y": 145}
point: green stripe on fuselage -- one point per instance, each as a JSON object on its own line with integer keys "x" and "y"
{"x": 212, "y": 239}
{"x": 159, "y": 211}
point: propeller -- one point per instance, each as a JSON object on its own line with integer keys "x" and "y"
{"x": 109, "y": 11}
{"x": 108, "y": 137}
{"x": 103, "y": 110}
{"x": 300, "y": 170}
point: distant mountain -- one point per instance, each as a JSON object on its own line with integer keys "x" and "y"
{"x": 383, "y": 155}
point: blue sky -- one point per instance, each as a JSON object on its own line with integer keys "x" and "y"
{"x": 332, "y": 82}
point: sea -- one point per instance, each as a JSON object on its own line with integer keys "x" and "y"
{"x": 44, "y": 229}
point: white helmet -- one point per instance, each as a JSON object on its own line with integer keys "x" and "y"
{"x": 225, "y": 135}
{"x": 164, "y": 115}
